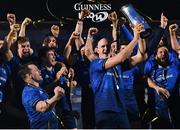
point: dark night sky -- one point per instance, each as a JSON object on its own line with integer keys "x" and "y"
{"x": 37, "y": 9}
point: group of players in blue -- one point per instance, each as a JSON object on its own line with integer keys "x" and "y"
{"x": 35, "y": 87}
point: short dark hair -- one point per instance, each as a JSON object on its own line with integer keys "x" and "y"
{"x": 43, "y": 51}
{"x": 22, "y": 40}
{"x": 164, "y": 44}
{"x": 24, "y": 69}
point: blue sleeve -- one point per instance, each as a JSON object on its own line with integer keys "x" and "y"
{"x": 63, "y": 81}
{"x": 31, "y": 97}
{"x": 7, "y": 69}
{"x": 136, "y": 70}
{"x": 98, "y": 64}
{"x": 148, "y": 68}
{"x": 173, "y": 83}
{"x": 173, "y": 58}
{"x": 47, "y": 78}
{"x": 63, "y": 103}
{"x": 129, "y": 36}
{"x": 154, "y": 41}
{"x": 14, "y": 63}
{"x": 60, "y": 58}
{"x": 3, "y": 77}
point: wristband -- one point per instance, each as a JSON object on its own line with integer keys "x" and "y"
{"x": 80, "y": 20}
{"x": 47, "y": 103}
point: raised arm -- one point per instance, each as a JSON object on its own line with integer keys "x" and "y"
{"x": 68, "y": 47}
{"x": 50, "y": 87}
{"x": 141, "y": 54}
{"x": 113, "y": 18}
{"x": 72, "y": 82}
{"x": 174, "y": 42}
{"x": 89, "y": 52}
{"x": 55, "y": 30}
{"x": 11, "y": 18}
{"x": 125, "y": 53}
{"x": 43, "y": 106}
{"x": 79, "y": 24}
{"x": 9, "y": 40}
{"x": 79, "y": 27}
{"x": 75, "y": 37}
{"x": 25, "y": 23}
{"x": 157, "y": 35}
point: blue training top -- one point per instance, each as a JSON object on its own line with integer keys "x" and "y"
{"x": 3, "y": 79}
{"x": 38, "y": 120}
{"x": 107, "y": 93}
{"x": 167, "y": 77}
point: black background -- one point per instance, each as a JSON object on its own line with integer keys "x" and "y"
{"x": 37, "y": 9}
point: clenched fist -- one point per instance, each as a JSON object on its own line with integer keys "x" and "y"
{"x": 58, "y": 92}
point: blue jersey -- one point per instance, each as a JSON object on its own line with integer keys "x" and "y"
{"x": 64, "y": 105}
{"x": 167, "y": 77}
{"x": 128, "y": 77}
{"x": 48, "y": 77}
{"x": 60, "y": 58}
{"x": 81, "y": 69}
{"x": 107, "y": 93}
{"x": 3, "y": 79}
{"x": 14, "y": 64}
{"x": 38, "y": 120}
{"x": 129, "y": 36}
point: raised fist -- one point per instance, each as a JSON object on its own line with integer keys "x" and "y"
{"x": 55, "y": 30}
{"x": 26, "y": 21}
{"x": 173, "y": 27}
{"x": 58, "y": 92}
{"x": 112, "y": 17}
{"x": 84, "y": 13}
{"x": 92, "y": 31}
{"x": 11, "y": 18}
{"x": 15, "y": 27}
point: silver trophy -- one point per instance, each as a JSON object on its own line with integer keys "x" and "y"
{"x": 134, "y": 18}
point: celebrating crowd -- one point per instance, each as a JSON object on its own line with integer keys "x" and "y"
{"x": 126, "y": 82}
